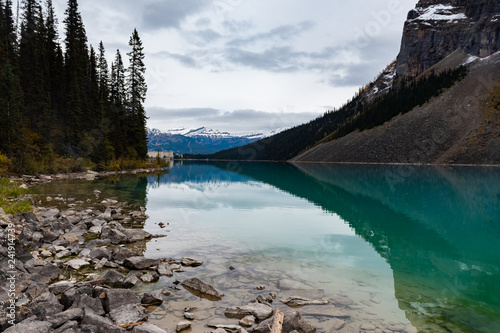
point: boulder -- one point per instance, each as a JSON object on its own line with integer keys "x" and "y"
{"x": 131, "y": 280}
{"x": 83, "y": 301}
{"x": 63, "y": 317}
{"x": 77, "y": 264}
{"x": 100, "y": 252}
{"x": 69, "y": 327}
{"x": 136, "y": 235}
{"x": 149, "y": 277}
{"x": 128, "y": 314}
{"x": 121, "y": 253}
{"x": 103, "y": 325}
{"x": 164, "y": 269}
{"x": 258, "y": 310}
{"x": 30, "y": 325}
{"x": 201, "y": 289}
{"x": 113, "y": 278}
{"x": 116, "y": 236}
{"x": 148, "y": 328}
{"x": 292, "y": 321}
{"x": 191, "y": 262}
{"x": 139, "y": 262}
{"x": 153, "y": 298}
{"x": 114, "y": 298}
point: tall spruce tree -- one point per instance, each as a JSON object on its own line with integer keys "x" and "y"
{"x": 118, "y": 99}
{"x": 137, "y": 88}
{"x": 76, "y": 65}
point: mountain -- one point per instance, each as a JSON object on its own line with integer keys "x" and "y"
{"x": 437, "y": 103}
{"x": 196, "y": 141}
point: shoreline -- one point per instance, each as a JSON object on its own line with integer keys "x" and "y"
{"x": 73, "y": 272}
{"x": 351, "y": 163}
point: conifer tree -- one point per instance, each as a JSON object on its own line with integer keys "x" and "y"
{"x": 137, "y": 88}
{"x": 76, "y": 64}
{"x": 118, "y": 102}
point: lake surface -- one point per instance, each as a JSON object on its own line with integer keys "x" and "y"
{"x": 401, "y": 248}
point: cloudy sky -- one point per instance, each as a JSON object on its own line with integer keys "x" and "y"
{"x": 248, "y": 66}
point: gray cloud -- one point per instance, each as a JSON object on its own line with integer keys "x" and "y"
{"x": 170, "y": 13}
{"x": 283, "y": 32}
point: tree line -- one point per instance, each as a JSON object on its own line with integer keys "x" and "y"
{"x": 62, "y": 99}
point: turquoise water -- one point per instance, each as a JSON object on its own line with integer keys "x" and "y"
{"x": 416, "y": 246}
{"x": 406, "y": 248}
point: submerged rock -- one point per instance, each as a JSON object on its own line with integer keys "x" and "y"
{"x": 147, "y": 328}
{"x": 297, "y": 301}
{"x": 258, "y": 310}
{"x": 292, "y": 321}
{"x": 191, "y": 262}
{"x": 201, "y": 289}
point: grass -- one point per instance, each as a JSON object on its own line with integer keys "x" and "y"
{"x": 9, "y": 192}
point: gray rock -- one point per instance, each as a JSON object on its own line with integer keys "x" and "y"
{"x": 296, "y": 301}
{"x": 164, "y": 270}
{"x": 131, "y": 280}
{"x": 114, "y": 298}
{"x": 96, "y": 230}
{"x": 258, "y": 310}
{"x": 247, "y": 321}
{"x": 45, "y": 305}
{"x": 69, "y": 327}
{"x": 59, "y": 288}
{"x": 201, "y": 289}
{"x": 48, "y": 213}
{"x": 153, "y": 298}
{"x": 113, "y": 278}
{"x": 128, "y": 314}
{"x": 103, "y": 325}
{"x": 148, "y": 328}
{"x": 149, "y": 277}
{"x": 139, "y": 262}
{"x": 191, "y": 262}
{"x": 101, "y": 252}
{"x": 116, "y": 236}
{"x": 83, "y": 301}
{"x": 77, "y": 264}
{"x": 30, "y": 325}
{"x": 63, "y": 317}
{"x": 63, "y": 254}
{"x": 182, "y": 325}
{"x": 136, "y": 235}
{"x": 292, "y": 321}
{"x": 121, "y": 253}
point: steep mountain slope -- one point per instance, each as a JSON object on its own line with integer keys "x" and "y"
{"x": 461, "y": 126}
{"x": 196, "y": 141}
{"x": 438, "y": 35}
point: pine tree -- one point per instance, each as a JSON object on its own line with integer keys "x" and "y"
{"x": 118, "y": 101}
{"x": 76, "y": 65}
{"x": 137, "y": 88}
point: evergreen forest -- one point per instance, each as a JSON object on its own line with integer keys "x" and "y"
{"x": 62, "y": 107}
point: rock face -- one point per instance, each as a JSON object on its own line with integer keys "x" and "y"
{"x": 436, "y": 28}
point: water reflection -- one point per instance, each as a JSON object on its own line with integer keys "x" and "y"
{"x": 438, "y": 228}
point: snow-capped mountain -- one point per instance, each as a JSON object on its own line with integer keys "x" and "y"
{"x": 198, "y": 141}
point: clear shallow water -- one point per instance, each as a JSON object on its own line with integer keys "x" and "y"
{"x": 416, "y": 248}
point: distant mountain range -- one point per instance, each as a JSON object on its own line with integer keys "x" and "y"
{"x": 199, "y": 140}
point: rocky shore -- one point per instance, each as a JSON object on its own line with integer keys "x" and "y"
{"x": 70, "y": 270}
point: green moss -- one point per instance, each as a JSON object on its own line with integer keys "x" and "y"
{"x": 9, "y": 195}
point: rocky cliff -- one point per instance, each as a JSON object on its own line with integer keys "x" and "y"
{"x": 436, "y": 28}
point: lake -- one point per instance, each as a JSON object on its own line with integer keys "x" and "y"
{"x": 394, "y": 248}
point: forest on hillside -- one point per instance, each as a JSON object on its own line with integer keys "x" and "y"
{"x": 61, "y": 104}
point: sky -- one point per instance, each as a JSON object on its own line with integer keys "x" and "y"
{"x": 248, "y": 66}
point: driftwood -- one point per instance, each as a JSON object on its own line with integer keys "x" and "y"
{"x": 277, "y": 322}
